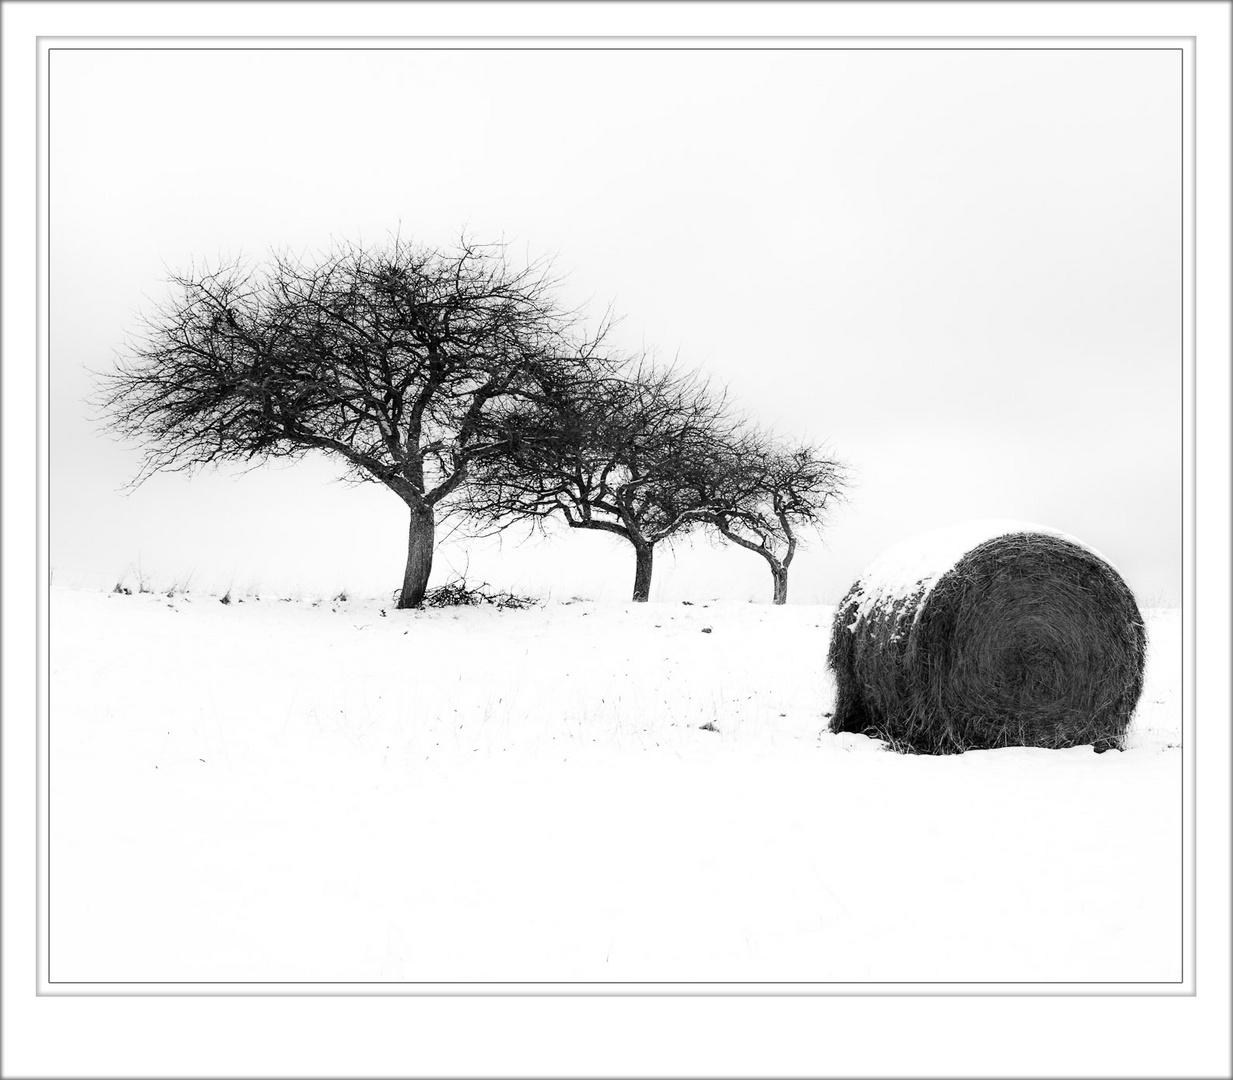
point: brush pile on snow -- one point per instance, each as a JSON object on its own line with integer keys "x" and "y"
{"x": 985, "y": 635}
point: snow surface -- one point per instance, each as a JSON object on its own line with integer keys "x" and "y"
{"x": 281, "y": 790}
{"x": 919, "y": 563}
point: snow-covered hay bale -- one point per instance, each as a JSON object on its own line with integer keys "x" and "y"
{"x": 990, "y": 634}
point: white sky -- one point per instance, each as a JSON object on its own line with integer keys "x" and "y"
{"x": 961, "y": 269}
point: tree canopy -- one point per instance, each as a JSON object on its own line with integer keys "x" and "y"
{"x": 455, "y": 379}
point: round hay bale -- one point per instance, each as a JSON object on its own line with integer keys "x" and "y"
{"x": 989, "y": 634}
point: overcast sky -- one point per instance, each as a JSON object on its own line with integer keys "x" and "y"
{"x": 959, "y": 269}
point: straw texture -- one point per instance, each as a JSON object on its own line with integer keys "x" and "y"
{"x": 1028, "y": 639}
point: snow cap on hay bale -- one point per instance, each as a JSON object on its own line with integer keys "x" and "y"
{"x": 988, "y": 634}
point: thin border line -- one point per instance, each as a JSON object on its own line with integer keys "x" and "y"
{"x": 47, "y": 748}
{"x": 1181, "y": 210}
{"x": 608, "y": 48}
{"x": 49, "y": 49}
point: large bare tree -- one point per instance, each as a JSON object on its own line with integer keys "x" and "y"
{"x": 629, "y": 449}
{"x": 393, "y": 360}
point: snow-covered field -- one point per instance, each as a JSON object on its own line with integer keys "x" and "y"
{"x": 294, "y": 791}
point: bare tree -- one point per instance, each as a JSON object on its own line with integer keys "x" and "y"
{"x": 393, "y": 360}
{"x": 771, "y": 495}
{"x": 631, "y": 451}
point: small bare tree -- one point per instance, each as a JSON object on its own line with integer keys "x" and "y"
{"x": 771, "y": 494}
{"x": 631, "y": 451}
{"x": 393, "y": 360}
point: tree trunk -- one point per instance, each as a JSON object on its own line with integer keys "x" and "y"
{"x": 779, "y": 575}
{"x": 420, "y": 539}
{"x": 643, "y": 554}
